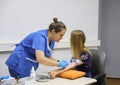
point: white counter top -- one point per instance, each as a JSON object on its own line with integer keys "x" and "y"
{"x": 62, "y": 81}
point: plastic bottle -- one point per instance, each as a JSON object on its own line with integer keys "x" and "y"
{"x": 33, "y": 75}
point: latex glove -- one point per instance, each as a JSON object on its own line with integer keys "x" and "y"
{"x": 73, "y": 60}
{"x": 63, "y": 63}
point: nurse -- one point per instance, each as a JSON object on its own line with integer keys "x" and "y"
{"x": 36, "y": 49}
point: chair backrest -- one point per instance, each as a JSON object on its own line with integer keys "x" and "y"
{"x": 98, "y": 62}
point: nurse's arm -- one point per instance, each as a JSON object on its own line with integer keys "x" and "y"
{"x": 40, "y": 57}
{"x": 52, "y": 58}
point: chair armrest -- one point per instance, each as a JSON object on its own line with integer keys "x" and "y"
{"x": 100, "y": 76}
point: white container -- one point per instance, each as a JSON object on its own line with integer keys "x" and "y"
{"x": 33, "y": 75}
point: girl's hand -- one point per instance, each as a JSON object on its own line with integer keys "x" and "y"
{"x": 52, "y": 74}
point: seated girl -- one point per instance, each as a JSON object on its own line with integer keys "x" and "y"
{"x": 81, "y": 59}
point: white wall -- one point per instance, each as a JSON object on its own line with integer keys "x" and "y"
{"x": 3, "y": 67}
{"x": 18, "y": 18}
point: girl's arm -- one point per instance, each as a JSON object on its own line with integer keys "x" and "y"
{"x": 70, "y": 66}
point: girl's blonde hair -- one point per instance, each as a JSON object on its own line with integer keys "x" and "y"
{"x": 77, "y": 42}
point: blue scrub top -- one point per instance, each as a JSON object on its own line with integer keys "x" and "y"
{"x": 23, "y": 57}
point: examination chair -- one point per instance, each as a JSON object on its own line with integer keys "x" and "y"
{"x": 98, "y": 66}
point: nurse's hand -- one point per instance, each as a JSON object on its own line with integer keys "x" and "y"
{"x": 63, "y": 63}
